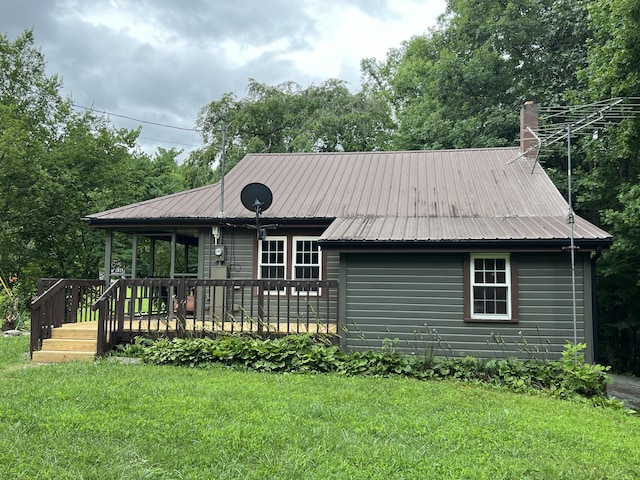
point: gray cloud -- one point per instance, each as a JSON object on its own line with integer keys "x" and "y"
{"x": 162, "y": 60}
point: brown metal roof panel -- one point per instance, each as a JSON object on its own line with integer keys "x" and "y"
{"x": 451, "y": 183}
{"x": 175, "y": 205}
{"x": 459, "y": 229}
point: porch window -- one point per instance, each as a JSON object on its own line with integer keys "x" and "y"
{"x": 306, "y": 261}
{"x": 273, "y": 254}
{"x": 290, "y": 258}
{"x": 490, "y": 292}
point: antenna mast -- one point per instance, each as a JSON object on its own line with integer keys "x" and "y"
{"x": 559, "y": 123}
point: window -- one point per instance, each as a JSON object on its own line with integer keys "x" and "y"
{"x": 273, "y": 255}
{"x": 304, "y": 262}
{"x": 489, "y": 292}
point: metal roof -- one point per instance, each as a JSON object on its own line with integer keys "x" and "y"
{"x": 465, "y": 194}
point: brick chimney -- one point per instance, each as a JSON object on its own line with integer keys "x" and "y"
{"x": 529, "y": 119}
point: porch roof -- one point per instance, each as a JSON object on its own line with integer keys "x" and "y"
{"x": 455, "y": 195}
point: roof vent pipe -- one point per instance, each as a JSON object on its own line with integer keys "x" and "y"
{"x": 529, "y": 141}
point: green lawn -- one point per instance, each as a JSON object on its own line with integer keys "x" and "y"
{"x": 112, "y": 420}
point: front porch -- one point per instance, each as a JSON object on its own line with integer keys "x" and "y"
{"x": 128, "y": 308}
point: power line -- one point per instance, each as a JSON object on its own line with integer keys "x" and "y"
{"x": 104, "y": 112}
{"x": 167, "y": 141}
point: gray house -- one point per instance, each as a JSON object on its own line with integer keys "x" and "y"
{"x": 466, "y": 252}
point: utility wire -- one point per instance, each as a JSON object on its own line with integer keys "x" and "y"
{"x": 168, "y": 141}
{"x": 90, "y": 109}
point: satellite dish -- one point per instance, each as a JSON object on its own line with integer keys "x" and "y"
{"x": 256, "y": 197}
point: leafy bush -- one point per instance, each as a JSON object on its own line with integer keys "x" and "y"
{"x": 285, "y": 354}
{"x": 567, "y": 378}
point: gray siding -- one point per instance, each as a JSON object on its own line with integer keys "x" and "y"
{"x": 240, "y": 245}
{"x": 332, "y": 266}
{"x": 238, "y": 255}
{"x": 418, "y": 300}
{"x": 400, "y": 296}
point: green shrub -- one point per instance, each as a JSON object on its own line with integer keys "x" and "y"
{"x": 285, "y": 354}
{"x": 567, "y": 378}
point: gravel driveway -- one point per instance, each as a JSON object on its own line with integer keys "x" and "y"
{"x": 625, "y": 388}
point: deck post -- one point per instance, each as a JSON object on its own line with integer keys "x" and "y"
{"x": 102, "y": 330}
{"x": 260, "y": 306}
{"x": 173, "y": 255}
{"x": 134, "y": 256}
{"x": 152, "y": 258}
{"x": 108, "y": 248}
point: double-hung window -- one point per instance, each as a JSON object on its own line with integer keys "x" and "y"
{"x": 272, "y": 263}
{"x": 290, "y": 258}
{"x": 306, "y": 261}
{"x": 490, "y": 293}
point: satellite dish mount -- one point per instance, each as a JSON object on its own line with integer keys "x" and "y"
{"x": 257, "y": 198}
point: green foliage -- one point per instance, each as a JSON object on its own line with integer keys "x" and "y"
{"x": 299, "y": 353}
{"x": 287, "y": 118}
{"x": 109, "y": 419}
{"x": 612, "y": 177}
{"x": 57, "y": 166}
{"x": 580, "y": 379}
{"x": 462, "y": 84}
{"x": 568, "y": 378}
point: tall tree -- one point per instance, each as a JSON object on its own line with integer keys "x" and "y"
{"x": 612, "y": 184}
{"x": 462, "y": 84}
{"x": 30, "y": 109}
{"x": 56, "y": 166}
{"x": 288, "y": 118}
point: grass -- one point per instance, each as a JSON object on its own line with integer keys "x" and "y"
{"x": 112, "y": 420}
{"x": 13, "y": 351}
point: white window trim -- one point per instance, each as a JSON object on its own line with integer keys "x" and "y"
{"x": 285, "y": 241}
{"x": 289, "y": 262}
{"x": 294, "y": 264}
{"x": 507, "y": 284}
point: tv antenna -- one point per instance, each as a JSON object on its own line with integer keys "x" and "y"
{"x": 257, "y": 198}
{"x": 559, "y": 123}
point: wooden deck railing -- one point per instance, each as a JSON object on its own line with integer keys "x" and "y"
{"x": 196, "y": 307}
{"x": 62, "y": 301}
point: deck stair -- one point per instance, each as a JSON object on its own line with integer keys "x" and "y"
{"x": 71, "y": 341}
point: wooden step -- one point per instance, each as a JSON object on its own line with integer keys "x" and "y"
{"x": 75, "y": 332}
{"x": 75, "y": 341}
{"x": 70, "y": 344}
{"x": 51, "y": 356}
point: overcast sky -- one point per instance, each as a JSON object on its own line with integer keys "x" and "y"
{"x": 163, "y": 60}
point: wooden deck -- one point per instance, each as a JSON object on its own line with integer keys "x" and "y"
{"x": 68, "y": 311}
{"x": 78, "y": 341}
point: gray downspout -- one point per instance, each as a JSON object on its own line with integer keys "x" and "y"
{"x": 594, "y": 302}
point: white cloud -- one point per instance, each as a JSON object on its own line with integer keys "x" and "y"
{"x": 240, "y": 54}
{"x": 348, "y": 34}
